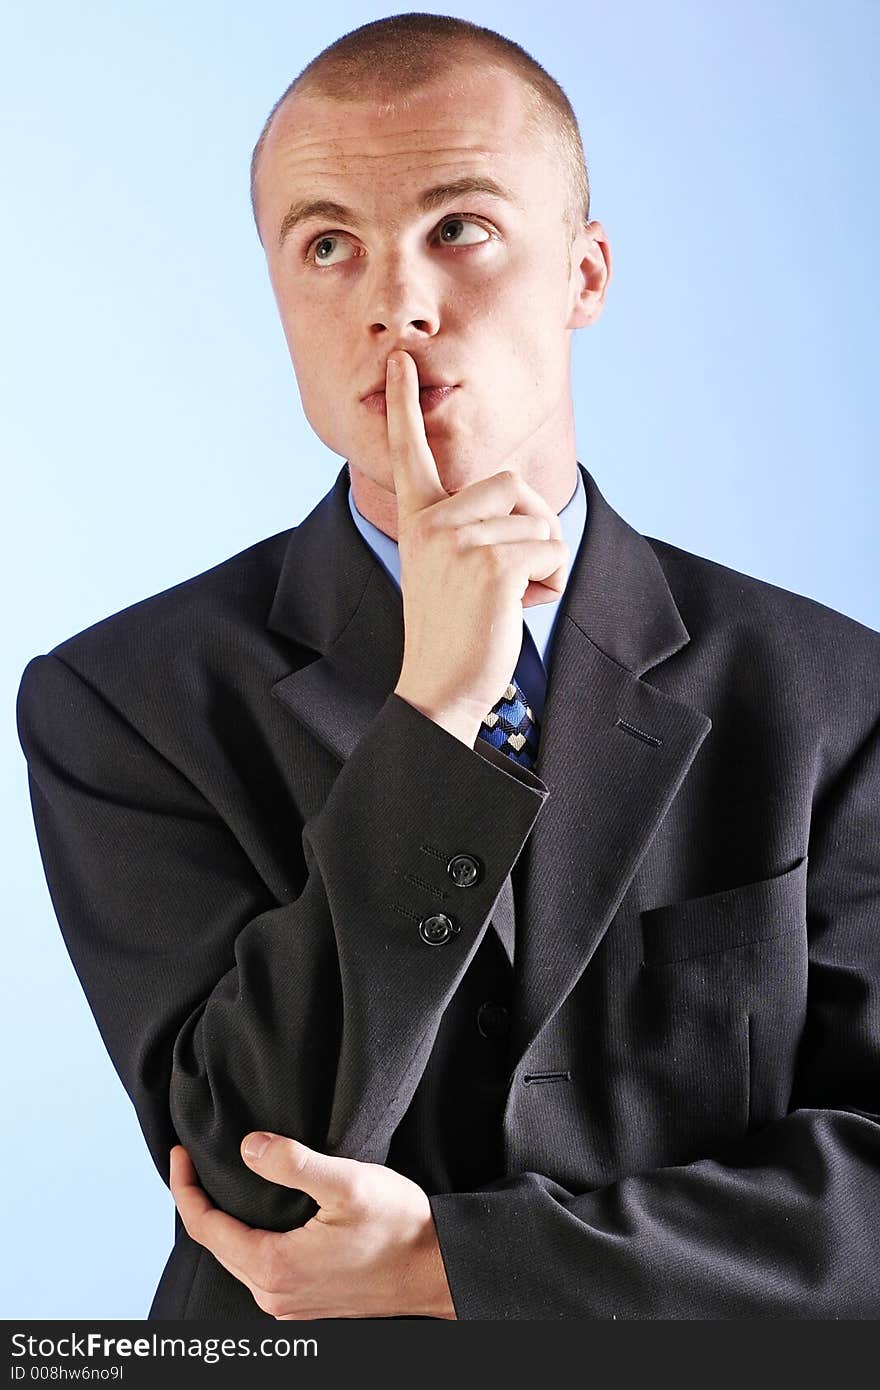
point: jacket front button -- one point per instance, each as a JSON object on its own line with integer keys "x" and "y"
{"x": 464, "y": 870}
{"x": 437, "y": 930}
{"x": 493, "y": 1020}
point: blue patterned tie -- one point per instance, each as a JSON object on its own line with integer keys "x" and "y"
{"x": 511, "y": 726}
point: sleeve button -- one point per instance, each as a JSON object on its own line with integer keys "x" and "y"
{"x": 437, "y": 930}
{"x": 465, "y": 870}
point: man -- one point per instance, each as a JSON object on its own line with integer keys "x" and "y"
{"x": 517, "y": 874}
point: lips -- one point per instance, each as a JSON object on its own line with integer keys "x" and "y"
{"x": 379, "y": 388}
{"x": 430, "y": 397}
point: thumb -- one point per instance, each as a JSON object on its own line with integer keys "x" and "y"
{"x": 292, "y": 1164}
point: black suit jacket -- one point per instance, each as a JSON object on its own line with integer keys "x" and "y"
{"x": 243, "y": 827}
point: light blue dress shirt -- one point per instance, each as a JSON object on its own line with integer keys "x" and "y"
{"x": 539, "y": 621}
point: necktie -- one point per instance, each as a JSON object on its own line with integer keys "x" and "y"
{"x": 511, "y": 726}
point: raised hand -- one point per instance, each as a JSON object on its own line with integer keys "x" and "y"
{"x": 470, "y": 562}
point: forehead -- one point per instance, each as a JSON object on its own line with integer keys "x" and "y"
{"x": 471, "y": 120}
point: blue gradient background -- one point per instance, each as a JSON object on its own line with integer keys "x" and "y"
{"x": 150, "y": 424}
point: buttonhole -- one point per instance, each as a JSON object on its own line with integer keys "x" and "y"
{"x": 637, "y": 733}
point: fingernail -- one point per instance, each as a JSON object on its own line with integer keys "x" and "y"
{"x": 256, "y": 1145}
{"x": 394, "y": 366}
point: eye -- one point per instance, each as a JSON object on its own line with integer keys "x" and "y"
{"x": 318, "y": 253}
{"x": 319, "y": 245}
{"x": 452, "y": 223}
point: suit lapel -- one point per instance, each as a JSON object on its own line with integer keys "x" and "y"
{"x": 334, "y": 597}
{"x": 614, "y": 750}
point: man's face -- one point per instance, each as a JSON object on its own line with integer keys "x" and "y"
{"x": 476, "y": 288}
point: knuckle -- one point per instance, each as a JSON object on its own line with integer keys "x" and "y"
{"x": 296, "y": 1156}
{"x": 463, "y": 538}
{"x": 356, "y": 1196}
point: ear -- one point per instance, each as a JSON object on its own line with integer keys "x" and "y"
{"x": 590, "y": 274}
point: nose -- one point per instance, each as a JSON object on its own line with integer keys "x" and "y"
{"x": 401, "y": 301}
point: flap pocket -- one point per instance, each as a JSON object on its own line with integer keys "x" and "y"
{"x": 723, "y": 921}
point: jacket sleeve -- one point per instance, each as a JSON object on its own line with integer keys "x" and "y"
{"x": 222, "y": 1009}
{"x": 783, "y": 1223}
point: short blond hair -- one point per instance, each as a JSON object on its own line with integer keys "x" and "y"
{"x": 404, "y": 52}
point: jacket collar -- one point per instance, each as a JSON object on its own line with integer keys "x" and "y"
{"x": 333, "y": 597}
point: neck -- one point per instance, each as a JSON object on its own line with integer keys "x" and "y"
{"x": 551, "y": 469}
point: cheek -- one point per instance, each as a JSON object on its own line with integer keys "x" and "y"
{"x": 310, "y": 350}
{"x": 303, "y": 316}
{"x": 519, "y": 361}
{"x": 518, "y": 315}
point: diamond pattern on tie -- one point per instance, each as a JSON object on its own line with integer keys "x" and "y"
{"x": 511, "y": 726}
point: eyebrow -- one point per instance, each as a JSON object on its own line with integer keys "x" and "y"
{"x": 432, "y": 198}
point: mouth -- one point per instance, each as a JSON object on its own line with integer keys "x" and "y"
{"x": 430, "y": 398}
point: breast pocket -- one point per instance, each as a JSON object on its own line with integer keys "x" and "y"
{"x": 726, "y": 921}
{"x": 722, "y": 997}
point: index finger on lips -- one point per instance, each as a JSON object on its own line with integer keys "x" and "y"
{"x": 416, "y": 480}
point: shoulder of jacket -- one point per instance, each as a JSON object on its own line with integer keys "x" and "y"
{"x": 798, "y": 661}
{"x": 710, "y": 593}
{"x": 240, "y": 584}
{"x": 202, "y": 620}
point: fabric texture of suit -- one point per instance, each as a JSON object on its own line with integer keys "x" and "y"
{"x": 243, "y": 827}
